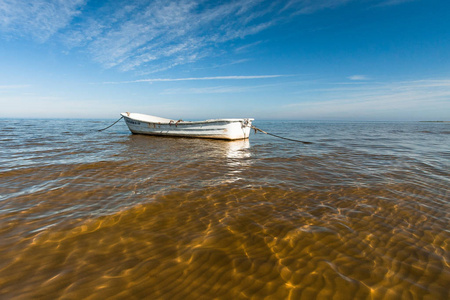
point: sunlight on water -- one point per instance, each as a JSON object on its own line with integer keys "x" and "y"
{"x": 362, "y": 213}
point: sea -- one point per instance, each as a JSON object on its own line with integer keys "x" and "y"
{"x": 361, "y": 213}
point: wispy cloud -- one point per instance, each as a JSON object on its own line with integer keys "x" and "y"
{"x": 14, "y": 86}
{"x": 392, "y": 2}
{"x": 39, "y": 19}
{"x": 358, "y": 77}
{"x": 150, "y": 80}
{"x": 225, "y": 89}
{"x": 208, "y": 90}
{"x": 309, "y": 7}
{"x": 153, "y": 35}
{"x": 162, "y": 34}
{"x": 247, "y": 47}
{"x": 356, "y": 101}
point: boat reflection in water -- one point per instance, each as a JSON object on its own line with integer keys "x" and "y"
{"x": 220, "y": 161}
{"x": 238, "y": 159}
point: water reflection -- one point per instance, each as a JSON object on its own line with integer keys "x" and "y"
{"x": 238, "y": 149}
{"x": 238, "y": 160}
{"x": 165, "y": 162}
{"x": 181, "y": 146}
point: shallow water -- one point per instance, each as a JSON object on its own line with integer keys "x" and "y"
{"x": 363, "y": 213}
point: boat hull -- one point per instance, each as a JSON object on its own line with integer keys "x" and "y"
{"x": 224, "y": 129}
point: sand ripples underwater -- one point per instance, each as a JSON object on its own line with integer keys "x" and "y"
{"x": 363, "y": 213}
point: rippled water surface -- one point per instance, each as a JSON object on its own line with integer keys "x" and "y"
{"x": 363, "y": 213}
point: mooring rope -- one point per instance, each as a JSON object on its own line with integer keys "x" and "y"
{"x": 111, "y": 124}
{"x": 281, "y": 137}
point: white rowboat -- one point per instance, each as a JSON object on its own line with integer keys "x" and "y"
{"x": 224, "y": 129}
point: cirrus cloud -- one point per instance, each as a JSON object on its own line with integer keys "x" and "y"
{"x": 153, "y": 35}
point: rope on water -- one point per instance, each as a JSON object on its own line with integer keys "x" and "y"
{"x": 284, "y": 138}
{"x": 111, "y": 124}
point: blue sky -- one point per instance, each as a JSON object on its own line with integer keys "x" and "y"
{"x": 292, "y": 59}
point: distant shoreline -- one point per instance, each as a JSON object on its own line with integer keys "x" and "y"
{"x": 434, "y": 121}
